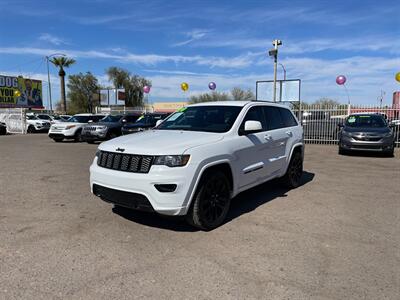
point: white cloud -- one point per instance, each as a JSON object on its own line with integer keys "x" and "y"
{"x": 238, "y": 62}
{"x": 192, "y": 36}
{"x": 47, "y": 37}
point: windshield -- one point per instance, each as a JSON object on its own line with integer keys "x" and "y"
{"x": 111, "y": 118}
{"x": 79, "y": 119}
{"x": 366, "y": 121}
{"x": 202, "y": 118}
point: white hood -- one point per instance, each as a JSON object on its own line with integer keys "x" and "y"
{"x": 160, "y": 142}
{"x": 63, "y": 125}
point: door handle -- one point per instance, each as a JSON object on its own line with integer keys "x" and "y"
{"x": 289, "y": 133}
{"x": 268, "y": 137}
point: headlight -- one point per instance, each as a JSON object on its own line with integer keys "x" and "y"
{"x": 172, "y": 160}
{"x": 70, "y": 126}
{"x": 98, "y": 153}
{"x": 389, "y": 134}
{"x": 345, "y": 133}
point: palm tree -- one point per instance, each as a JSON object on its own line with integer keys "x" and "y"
{"x": 62, "y": 62}
{"x": 118, "y": 77}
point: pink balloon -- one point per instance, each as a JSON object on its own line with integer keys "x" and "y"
{"x": 146, "y": 89}
{"x": 341, "y": 79}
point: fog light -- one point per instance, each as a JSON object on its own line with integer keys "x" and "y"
{"x": 165, "y": 188}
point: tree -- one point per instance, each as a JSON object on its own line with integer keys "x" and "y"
{"x": 82, "y": 89}
{"x": 326, "y": 103}
{"x": 132, "y": 84}
{"x": 208, "y": 97}
{"x": 117, "y": 76}
{"x": 62, "y": 62}
{"x": 239, "y": 94}
{"x": 235, "y": 94}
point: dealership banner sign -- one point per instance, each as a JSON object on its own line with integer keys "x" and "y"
{"x": 20, "y": 92}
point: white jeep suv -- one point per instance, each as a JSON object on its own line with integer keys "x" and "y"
{"x": 72, "y": 129}
{"x": 200, "y": 157}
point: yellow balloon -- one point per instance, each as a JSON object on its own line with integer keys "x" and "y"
{"x": 398, "y": 76}
{"x": 184, "y": 86}
{"x": 17, "y": 93}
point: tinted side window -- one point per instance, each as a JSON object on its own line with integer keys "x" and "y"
{"x": 287, "y": 117}
{"x": 254, "y": 114}
{"x": 274, "y": 118}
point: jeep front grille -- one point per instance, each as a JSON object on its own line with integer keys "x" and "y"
{"x": 125, "y": 162}
{"x": 90, "y": 128}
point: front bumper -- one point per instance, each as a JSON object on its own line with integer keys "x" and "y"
{"x": 64, "y": 133}
{"x": 382, "y": 145}
{"x": 94, "y": 136}
{"x": 42, "y": 128}
{"x": 142, "y": 185}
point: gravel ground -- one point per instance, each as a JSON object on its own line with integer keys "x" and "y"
{"x": 335, "y": 237}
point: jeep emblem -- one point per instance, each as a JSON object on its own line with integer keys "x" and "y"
{"x": 120, "y": 149}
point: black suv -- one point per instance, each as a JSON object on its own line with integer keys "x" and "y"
{"x": 107, "y": 128}
{"x": 146, "y": 121}
{"x": 366, "y": 132}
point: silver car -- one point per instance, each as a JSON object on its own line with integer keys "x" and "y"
{"x": 366, "y": 132}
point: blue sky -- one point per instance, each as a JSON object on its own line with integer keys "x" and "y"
{"x": 201, "y": 41}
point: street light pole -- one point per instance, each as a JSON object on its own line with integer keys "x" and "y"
{"x": 48, "y": 76}
{"x": 274, "y": 54}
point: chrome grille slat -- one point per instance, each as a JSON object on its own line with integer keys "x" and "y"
{"x": 125, "y": 162}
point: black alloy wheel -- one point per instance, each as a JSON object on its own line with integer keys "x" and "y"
{"x": 211, "y": 203}
{"x": 292, "y": 178}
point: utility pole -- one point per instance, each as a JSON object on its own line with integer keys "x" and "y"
{"x": 49, "y": 84}
{"x": 274, "y": 53}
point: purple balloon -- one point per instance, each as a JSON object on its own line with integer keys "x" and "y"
{"x": 212, "y": 85}
{"x": 341, "y": 79}
{"x": 146, "y": 89}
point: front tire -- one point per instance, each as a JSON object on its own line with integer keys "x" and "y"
{"x": 31, "y": 129}
{"x": 78, "y": 136}
{"x": 58, "y": 140}
{"x": 211, "y": 202}
{"x": 292, "y": 178}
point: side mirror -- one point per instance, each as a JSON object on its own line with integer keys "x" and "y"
{"x": 158, "y": 122}
{"x": 252, "y": 127}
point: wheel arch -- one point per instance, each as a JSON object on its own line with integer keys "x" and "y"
{"x": 223, "y": 165}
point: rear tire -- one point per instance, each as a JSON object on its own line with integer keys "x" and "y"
{"x": 292, "y": 178}
{"x": 211, "y": 202}
{"x": 90, "y": 142}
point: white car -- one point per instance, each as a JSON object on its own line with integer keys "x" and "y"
{"x": 200, "y": 157}
{"x": 34, "y": 124}
{"x": 72, "y": 128}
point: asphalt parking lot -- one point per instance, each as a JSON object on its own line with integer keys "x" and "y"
{"x": 335, "y": 237}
